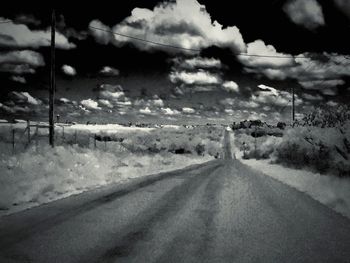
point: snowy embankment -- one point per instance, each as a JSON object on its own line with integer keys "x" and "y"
{"x": 327, "y": 189}
{"x": 39, "y": 174}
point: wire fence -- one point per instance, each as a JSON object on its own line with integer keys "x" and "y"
{"x": 18, "y": 137}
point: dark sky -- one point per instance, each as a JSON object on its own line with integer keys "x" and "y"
{"x": 146, "y": 82}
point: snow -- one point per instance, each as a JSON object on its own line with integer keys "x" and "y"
{"x": 327, "y": 189}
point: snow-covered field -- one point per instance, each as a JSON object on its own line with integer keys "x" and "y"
{"x": 36, "y": 173}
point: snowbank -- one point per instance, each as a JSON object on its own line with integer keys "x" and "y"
{"x": 329, "y": 190}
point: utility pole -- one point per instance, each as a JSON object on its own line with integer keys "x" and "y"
{"x": 293, "y": 107}
{"x": 52, "y": 82}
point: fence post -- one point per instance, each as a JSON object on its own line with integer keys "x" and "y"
{"x": 63, "y": 138}
{"x": 75, "y": 137}
{"x": 95, "y": 141}
{"x": 255, "y": 153}
{"x": 28, "y": 131}
{"x": 13, "y": 141}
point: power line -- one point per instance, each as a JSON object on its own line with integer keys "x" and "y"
{"x": 145, "y": 40}
{"x": 198, "y": 50}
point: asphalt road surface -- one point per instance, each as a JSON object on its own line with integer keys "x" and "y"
{"x": 220, "y": 211}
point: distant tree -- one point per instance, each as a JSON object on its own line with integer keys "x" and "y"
{"x": 281, "y": 125}
{"x": 326, "y": 116}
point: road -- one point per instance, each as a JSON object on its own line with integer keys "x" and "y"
{"x": 220, "y": 211}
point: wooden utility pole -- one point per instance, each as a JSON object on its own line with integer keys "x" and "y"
{"x": 52, "y": 82}
{"x": 293, "y": 107}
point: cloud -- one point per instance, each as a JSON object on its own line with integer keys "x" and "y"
{"x": 112, "y": 95}
{"x": 20, "y": 102}
{"x": 197, "y": 63}
{"x": 20, "y": 36}
{"x": 17, "y": 69}
{"x": 312, "y": 71}
{"x": 307, "y": 13}
{"x": 332, "y": 103}
{"x": 90, "y": 104}
{"x": 230, "y": 86}
{"x": 259, "y": 48}
{"x": 146, "y": 111}
{"x": 20, "y": 62}
{"x": 64, "y": 100}
{"x": 105, "y": 103}
{"x": 200, "y": 77}
{"x": 18, "y": 79}
{"x": 27, "y": 19}
{"x": 153, "y": 103}
{"x": 178, "y": 91}
{"x": 271, "y": 96}
{"x": 321, "y": 84}
{"x": 168, "y": 111}
{"x": 109, "y": 71}
{"x": 15, "y": 109}
{"x": 69, "y": 32}
{"x": 188, "y": 110}
{"x": 184, "y": 23}
{"x": 69, "y": 70}
{"x": 23, "y": 98}
{"x": 102, "y": 36}
{"x": 239, "y": 103}
{"x": 344, "y": 6}
{"x": 29, "y": 57}
{"x": 311, "y": 97}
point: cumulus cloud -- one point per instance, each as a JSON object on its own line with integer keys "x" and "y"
{"x": 27, "y": 19}
{"x": 15, "y": 35}
{"x": 239, "y": 103}
{"x": 178, "y": 91}
{"x": 105, "y": 103}
{"x": 255, "y": 52}
{"x": 155, "y": 102}
{"x": 69, "y": 70}
{"x": 64, "y": 100}
{"x": 18, "y": 79}
{"x": 29, "y": 57}
{"x": 197, "y": 63}
{"x": 20, "y": 62}
{"x": 321, "y": 84}
{"x": 332, "y": 103}
{"x": 188, "y": 110}
{"x": 112, "y": 95}
{"x": 90, "y": 104}
{"x": 307, "y": 13}
{"x": 272, "y": 96}
{"x": 23, "y": 98}
{"x": 184, "y": 23}
{"x": 109, "y": 71}
{"x": 168, "y": 111}
{"x": 200, "y": 77}
{"x": 20, "y": 102}
{"x": 230, "y": 86}
{"x": 146, "y": 111}
{"x": 316, "y": 97}
{"x": 312, "y": 71}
